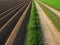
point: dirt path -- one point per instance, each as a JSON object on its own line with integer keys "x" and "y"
{"x": 51, "y": 35}
{"x": 52, "y": 9}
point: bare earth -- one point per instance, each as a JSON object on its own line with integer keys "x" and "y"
{"x": 51, "y": 35}
{"x": 15, "y": 30}
{"x": 52, "y": 9}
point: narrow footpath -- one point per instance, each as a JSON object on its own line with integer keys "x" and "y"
{"x": 51, "y": 34}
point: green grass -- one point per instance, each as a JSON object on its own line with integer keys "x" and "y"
{"x": 54, "y": 18}
{"x": 34, "y": 34}
{"x": 53, "y": 3}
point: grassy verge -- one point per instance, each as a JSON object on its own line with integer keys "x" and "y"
{"x": 34, "y": 34}
{"x": 54, "y": 18}
{"x": 53, "y": 3}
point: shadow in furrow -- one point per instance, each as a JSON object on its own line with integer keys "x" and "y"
{"x": 21, "y": 36}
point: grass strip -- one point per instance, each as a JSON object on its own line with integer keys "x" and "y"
{"x": 53, "y": 17}
{"x": 54, "y": 3}
{"x": 34, "y": 34}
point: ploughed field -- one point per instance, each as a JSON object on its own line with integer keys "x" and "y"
{"x": 5, "y": 5}
{"x": 14, "y": 16}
